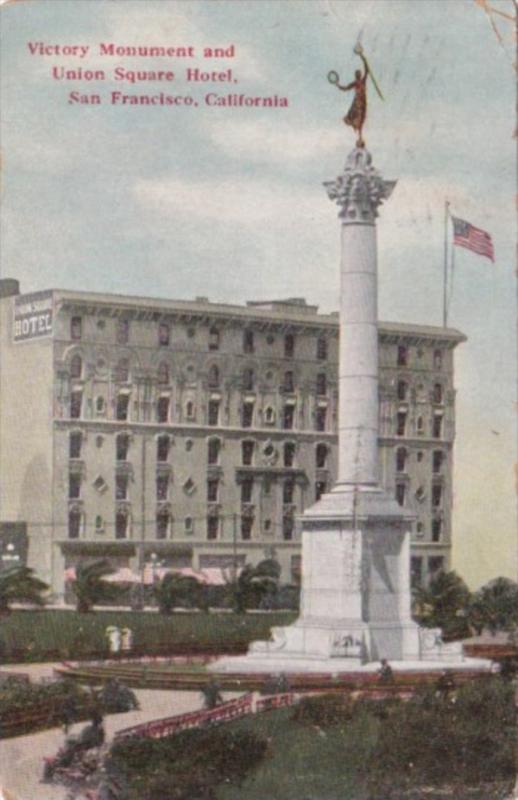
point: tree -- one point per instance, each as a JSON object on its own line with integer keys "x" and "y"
{"x": 89, "y": 586}
{"x": 20, "y": 584}
{"x": 176, "y": 590}
{"x": 444, "y": 604}
{"x": 254, "y": 583}
{"x": 495, "y": 606}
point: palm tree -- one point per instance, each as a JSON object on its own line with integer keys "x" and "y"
{"x": 176, "y": 590}
{"x": 495, "y": 605}
{"x": 19, "y": 584}
{"x": 253, "y": 583}
{"x": 89, "y": 586}
{"x": 444, "y": 604}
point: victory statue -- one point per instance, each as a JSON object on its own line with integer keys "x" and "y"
{"x": 357, "y": 113}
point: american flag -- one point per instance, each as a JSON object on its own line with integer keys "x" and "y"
{"x": 466, "y": 235}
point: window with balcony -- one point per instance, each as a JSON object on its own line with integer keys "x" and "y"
{"x": 162, "y": 409}
{"x": 213, "y": 451}
{"x": 288, "y": 452}
{"x": 247, "y": 488}
{"x": 288, "y": 490}
{"x": 75, "y": 443}
{"x": 437, "y": 426}
{"x": 122, "y": 335}
{"x": 247, "y": 415}
{"x": 247, "y": 524}
{"x": 436, "y": 529}
{"x": 247, "y": 453}
{"x": 122, "y": 442}
{"x": 213, "y": 412}
{"x": 288, "y": 526}
{"x": 214, "y": 377}
{"x": 163, "y": 523}
{"x": 320, "y": 488}
{"x": 121, "y": 524}
{"x": 248, "y": 380}
{"x": 76, "y": 367}
{"x": 76, "y": 403}
{"x": 289, "y": 345}
{"x": 288, "y": 385}
{"x": 214, "y": 339}
{"x": 122, "y": 407}
{"x": 212, "y": 490}
{"x": 402, "y": 390}
{"x": 122, "y": 371}
{"x": 248, "y": 341}
{"x": 402, "y": 356}
{"x": 321, "y": 384}
{"x": 76, "y": 328}
{"x": 437, "y": 460}
{"x": 162, "y": 487}
{"x": 320, "y": 419}
{"x": 321, "y": 453}
{"x": 400, "y": 493}
{"x": 401, "y": 457}
{"x": 121, "y": 487}
{"x": 401, "y": 423}
{"x": 436, "y": 495}
{"x": 288, "y": 417}
{"x": 74, "y": 486}
{"x": 74, "y": 524}
{"x": 163, "y": 374}
{"x": 212, "y": 527}
{"x": 438, "y": 393}
{"x": 162, "y": 448}
{"x": 322, "y": 348}
{"x": 164, "y": 334}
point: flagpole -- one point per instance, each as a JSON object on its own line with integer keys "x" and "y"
{"x": 445, "y": 279}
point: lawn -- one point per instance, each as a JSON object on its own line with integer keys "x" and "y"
{"x": 56, "y": 634}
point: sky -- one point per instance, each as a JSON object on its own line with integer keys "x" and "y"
{"x": 227, "y": 202}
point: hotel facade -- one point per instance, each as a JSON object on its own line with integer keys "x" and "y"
{"x": 193, "y": 434}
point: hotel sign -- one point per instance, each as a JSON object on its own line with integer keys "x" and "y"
{"x": 32, "y": 316}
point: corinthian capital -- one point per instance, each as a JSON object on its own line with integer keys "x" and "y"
{"x": 360, "y": 189}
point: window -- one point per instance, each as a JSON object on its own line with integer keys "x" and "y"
{"x": 321, "y": 383}
{"x": 288, "y": 454}
{"x": 162, "y": 487}
{"x": 164, "y": 334}
{"x": 76, "y": 328}
{"x": 213, "y": 377}
{"x": 122, "y": 371}
{"x": 436, "y": 529}
{"x": 99, "y": 524}
{"x": 100, "y": 405}
{"x": 76, "y": 366}
{"x": 122, "y": 446}
{"x": 75, "y": 441}
{"x": 322, "y": 348}
{"x": 247, "y": 453}
{"x": 320, "y": 488}
{"x": 320, "y": 419}
{"x": 402, "y": 390}
{"x": 289, "y": 345}
{"x": 213, "y": 412}
{"x": 247, "y": 524}
{"x": 248, "y": 341}
{"x": 420, "y": 456}
{"x": 269, "y": 416}
{"x": 401, "y": 423}
{"x": 213, "y": 449}
{"x": 420, "y": 494}
{"x": 437, "y": 426}
{"x": 296, "y": 569}
{"x": 188, "y": 526}
{"x": 189, "y": 486}
{"x": 100, "y": 484}
{"x": 163, "y": 373}
{"x": 420, "y": 529}
{"x": 162, "y": 448}
{"x": 420, "y": 426}
{"x": 74, "y": 524}
{"x": 247, "y": 487}
{"x": 437, "y": 460}
{"x": 122, "y": 334}
{"x": 248, "y": 380}
{"x": 287, "y": 492}
{"x": 402, "y": 356}
{"x": 212, "y": 527}
{"x": 436, "y": 495}
{"x": 121, "y": 524}
{"x": 247, "y": 415}
{"x": 321, "y": 456}
{"x": 288, "y": 525}
{"x": 122, "y": 408}
{"x": 437, "y": 393}
{"x": 401, "y": 456}
{"x": 416, "y": 572}
{"x": 288, "y": 417}
{"x": 288, "y": 383}
{"x": 74, "y": 486}
{"x": 162, "y": 409}
{"x": 121, "y": 487}
{"x": 437, "y": 359}
{"x": 400, "y": 493}
{"x": 189, "y": 410}
{"x": 435, "y": 565}
{"x": 214, "y": 339}
{"x": 163, "y": 520}
{"x": 212, "y": 490}
{"x": 76, "y": 402}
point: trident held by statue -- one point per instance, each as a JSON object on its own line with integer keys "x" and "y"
{"x": 357, "y": 113}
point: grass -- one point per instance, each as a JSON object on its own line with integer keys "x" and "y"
{"x": 57, "y": 634}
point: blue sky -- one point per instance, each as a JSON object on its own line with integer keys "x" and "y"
{"x": 178, "y": 202}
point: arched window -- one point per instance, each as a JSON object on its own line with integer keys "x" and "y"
{"x": 213, "y": 377}
{"x": 76, "y": 366}
{"x": 321, "y": 383}
{"x": 420, "y": 425}
{"x": 189, "y": 409}
{"x": 402, "y": 390}
{"x": 213, "y": 450}
{"x": 321, "y": 456}
{"x": 122, "y": 371}
{"x": 401, "y": 456}
{"x": 162, "y": 409}
{"x": 248, "y": 380}
{"x": 163, "y": 373}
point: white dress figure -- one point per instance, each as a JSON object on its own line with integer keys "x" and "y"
{"x": 126, "y": 639}
{"x": 114, "y": 638}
